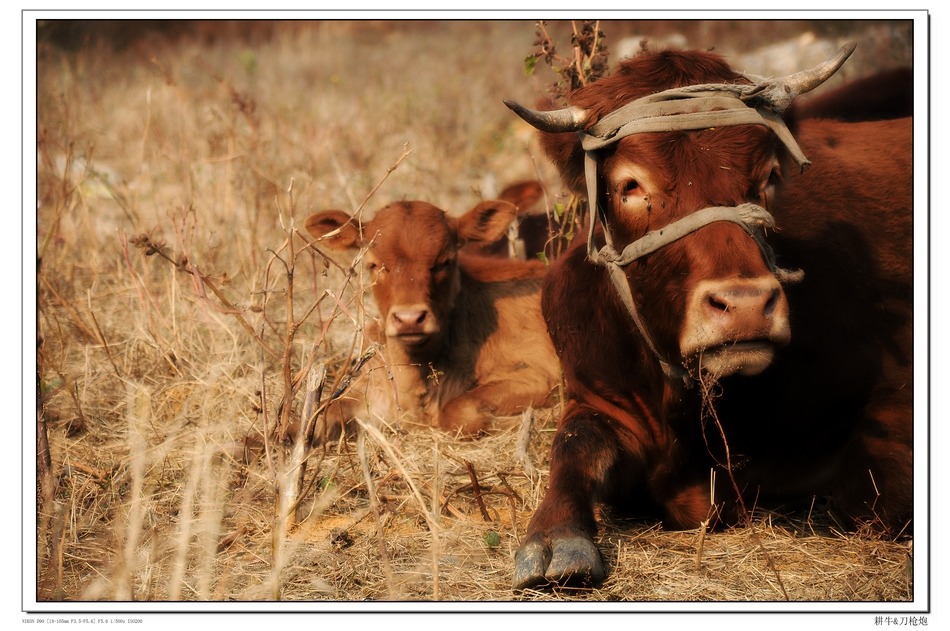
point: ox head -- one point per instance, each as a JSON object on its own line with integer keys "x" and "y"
{"x": 411, "y": 255}
{"x": 678, "y": 155}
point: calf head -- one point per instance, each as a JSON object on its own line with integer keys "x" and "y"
{"x": 412, "y": 257}
{"x": 711, "y": 297}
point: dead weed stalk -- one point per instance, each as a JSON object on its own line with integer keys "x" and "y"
{"x": 708, "y": 383}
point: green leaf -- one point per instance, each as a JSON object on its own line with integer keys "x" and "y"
{"x": 529, "y": 64}
{"x": 248, "y": 60}
{"x": 52, "y": 384}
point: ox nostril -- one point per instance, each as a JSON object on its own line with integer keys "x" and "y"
{"x": 717, "y": 302}
{"x": 751, "y": 301}
{"x": 771, "y": 302}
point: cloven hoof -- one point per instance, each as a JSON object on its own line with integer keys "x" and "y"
{"x": 573, "y": 561}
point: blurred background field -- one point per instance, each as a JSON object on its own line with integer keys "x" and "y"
{"x": 179, "y": 312}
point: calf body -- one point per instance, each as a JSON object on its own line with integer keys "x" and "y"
{"x": 463, "y": 337}
{"x": 716, "y": 362}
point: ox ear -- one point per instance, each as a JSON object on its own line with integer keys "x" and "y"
{"x": 524, "y": 195}
{"x": 334, "y": 228}
{"x": 487, "y": 222}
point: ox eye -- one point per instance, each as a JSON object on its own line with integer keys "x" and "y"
{"x": 767, "y": 187}
{"x": 630, "y": 187}
{"x": 630, "y": 190}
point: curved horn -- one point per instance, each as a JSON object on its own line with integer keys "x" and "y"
{"x": 780, "y": 92}
{"x": 553, "y": 121}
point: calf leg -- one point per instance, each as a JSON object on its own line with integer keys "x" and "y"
{"x": 559, "y": 543}
{"x": 473, "y": 413}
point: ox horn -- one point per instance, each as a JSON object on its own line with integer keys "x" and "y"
{"x": 553, "y": 121}
{"x": 780, "y": 92}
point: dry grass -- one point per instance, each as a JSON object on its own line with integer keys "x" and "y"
{"x": 180, "y": 311}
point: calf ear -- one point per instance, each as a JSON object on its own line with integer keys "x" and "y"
{"x": 487, "y": 222}
{"x": 334, "y": 228}
{"x": 524, "y": 195}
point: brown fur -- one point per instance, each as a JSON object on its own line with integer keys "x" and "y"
{"x": 464, "y": 338}
{"x": 536, "y": 231}
{"x": 830, "y": 411}
{"x": 884, "y": 95}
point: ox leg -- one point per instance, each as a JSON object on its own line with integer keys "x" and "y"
{"x": 559, "y": 546}
{"x": 875, "y": 484}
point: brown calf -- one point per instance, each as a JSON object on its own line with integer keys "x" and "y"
{"x": 463, "y": 334}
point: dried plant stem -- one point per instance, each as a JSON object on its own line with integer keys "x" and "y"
{"x": 50, "y": 586}
{"x": 288, "y": 465}
{"x": 397, "y": 461}
{"x": 44, "y": 463}
{"x": 374, "y": 508}
{"x": 405, "y": 154}
{"x": 522, "y": 456}
{"x": 231, "y": 309}
{"x": 477, "y": 491}
{"x": 201, "y": 281}
{"x": 102, "y": 338}
{"x": 706, "y": 383}
{"x": 213, "y": 492}
{"x": 704, "y": 525}
{"x": 185, "y": 522}
{"x": 138, "y": 420}
{"x": 280, "y": 552}
{"x": 76, "y": 319}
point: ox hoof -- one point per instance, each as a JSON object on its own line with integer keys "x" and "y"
{"x": 570, "y": 561}
{"x": 531, "y": 561}
{"x": 575, "y": 561}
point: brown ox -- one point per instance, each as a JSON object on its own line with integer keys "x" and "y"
{"x": 463, "y": 334}
{"x": 702, "y": 358}
{"x": 880, "y": 96}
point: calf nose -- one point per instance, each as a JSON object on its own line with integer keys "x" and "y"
{"x": 409, "y": 319}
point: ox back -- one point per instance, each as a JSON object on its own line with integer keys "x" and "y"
{"x": 826, "y": 412}
{"x": 884, "y": 95}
